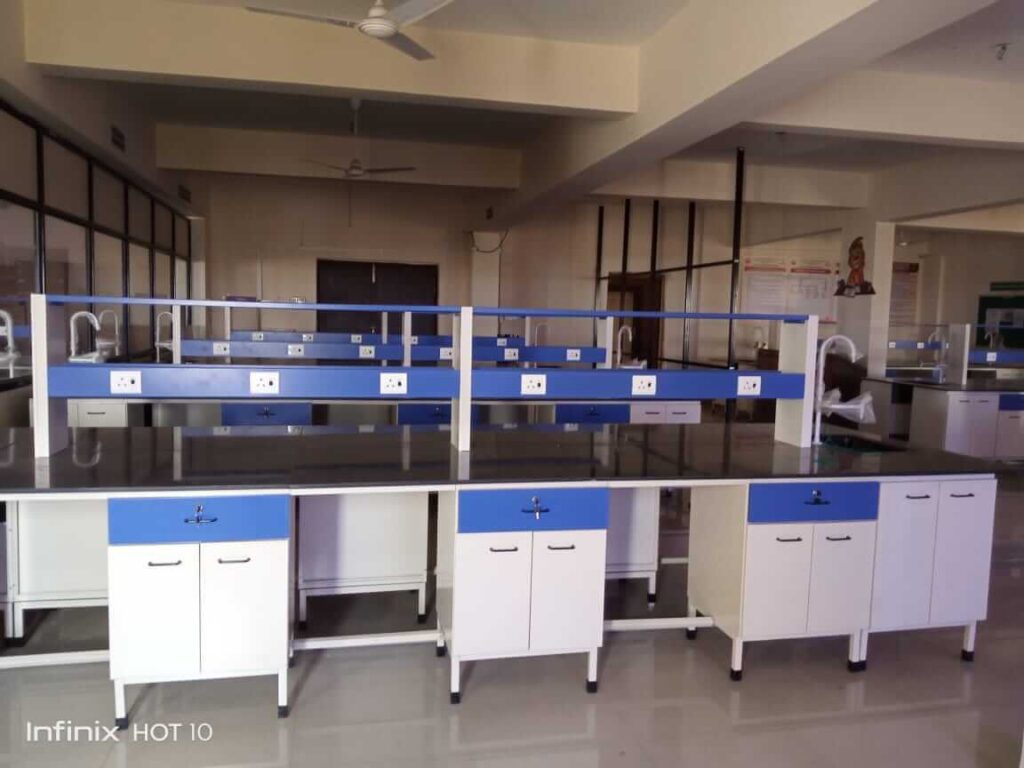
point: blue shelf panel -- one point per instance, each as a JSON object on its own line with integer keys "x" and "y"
{"x": 505, "y": 384}
{"x": 266, "y": 414}
{"x": 220, "y": 382}
{"x": 307, "y": 337}
{"x": 996, "y": 357}
{"x": 419, "y": 309}
{"x": 537, "y": 312}
{"x": 592, "y": 413}
{"x": 538, "y": 354}
{"x": 1012, "y": 401}
{"x": 278, "y": 350}
{"x": 911, "y": 344}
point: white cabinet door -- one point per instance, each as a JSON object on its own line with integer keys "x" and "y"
{"x": 647, "y": 413}
{"x": 904, "y": 555}
{"x": 984, "y": 420}
{"x": 244, "y": 606}
{"x": 841, "y": 564}
{"x": 154, "y": 610}
{"x": 963, "y": 551}
{"x": 776, "y": 580}
{"x": 1010, "y": 435}
{"x": 491, "y": 593}
{"x": 682, "y": 412}
{"x": 567, "y": 596}
{"x": 633, "y": 528}
{"x": 958, "y": 423}
{"x": 62, "y": 549}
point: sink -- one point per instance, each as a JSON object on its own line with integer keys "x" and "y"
{"x": 859, "y": 444}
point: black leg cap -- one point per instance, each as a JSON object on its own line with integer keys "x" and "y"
{"x": 967, "y": 655}
{"x": 591, "y": 686}
{"x": 283, "y": 712}
{"x": 421, "y": 618}
{"x": 302, "y": 626}
{"x": 121, "y": 723}
{"x": 856, "y": 666}
{"x": 442, "y": 651}
{"x": 15, "y": 642}
{"x": 652, "y": 597}
{"x": 456, "y": 697}
{"x": 736, "y": 674}
{"x": 691, "y": 634}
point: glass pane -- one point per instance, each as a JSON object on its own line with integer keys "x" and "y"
{"x": 17, "y": 278}
{"x": 66, "y": 182}
{"x": 107, "y": 200}
{"x": 65, "y": 257}
{"x": 107, "y": 276}
{"x": 162, "y": 276}
{"x": 164, "y": 222}
{"x": 181, "y": 235}
{"x": 138, "y": 316}
{"x": 18, "y": 159}
{"x": 180, "y": 278}
{"x": 139, "y": 219}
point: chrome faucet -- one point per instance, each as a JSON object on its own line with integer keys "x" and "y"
{"x": 623, "y": 330}
{"x": 819, "y": 392}
{"x": 82, "y": 357}
{"x": 10, "y": 352}
{"x": 115, "y": 343}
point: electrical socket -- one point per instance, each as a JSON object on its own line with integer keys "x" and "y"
{"x": 308, "y": 337}
{"x": 991, "y": 357}
{"x": 511, "y": 353}
{"x": 264, "y": 383}
{"x": 645, "y": 386}
{"x": 126, "y": 382}
{"x": 257, "y": 336}
{"x": 394, "y": 383}
{"x": 296, "y": 350}
{"x": 221, "y": 348}
{"x": 572, "y": 355}
{"x": 446, "y": 353}
{"x": 892, "y": 345}
{"x": 414, "y": 340}
{"x": 533, "y": 384}
{"x": 357, "y": 338}
{"x": 367, "y": 351}
{"x": 501, "y": 342}
{"x": 748, "y": 386}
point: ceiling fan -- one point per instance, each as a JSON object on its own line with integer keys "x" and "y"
{"x": 380, "y": 23}
{"x": 355, "y": 168}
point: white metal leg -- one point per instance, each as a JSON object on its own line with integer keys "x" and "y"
{"x": 302, "y": 607}
{"x": 864, "y": 646}
{"x": 120, "y": 710}
{"x": 441, "y": 646}
{"x": 592, "y": 671}
{"x": 736, "y": 664}
{"x": 421, "y": 605}
{"x": 854, "y": 662}
{"x": 8, "y": 619}
{"x": 652, "y": 587}
{"x": 691, "y": 613}
{"x": 456, "y": 694}
{"x": 18, "y": 621}
{"x": 970, "y": 634}
{"x": 282, "y": 693}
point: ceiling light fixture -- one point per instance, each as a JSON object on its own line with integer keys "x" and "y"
{"x": 1001, "y": 50}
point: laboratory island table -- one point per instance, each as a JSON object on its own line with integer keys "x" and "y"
{"x": 201, "y": 536}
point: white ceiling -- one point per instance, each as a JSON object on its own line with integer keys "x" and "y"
{"x": 615, "y": 22}
{"x": 968, "y": 48}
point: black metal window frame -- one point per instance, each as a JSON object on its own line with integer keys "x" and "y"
{"x": 43, "y": 211}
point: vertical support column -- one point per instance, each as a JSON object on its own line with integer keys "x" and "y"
{"x": 407, "y": 339}
{"x": 597, "y": 267}
{"x": 176, "y": 315}
{"x": 49, "y": 415}
{"x": 691, "y": 233}
{"x": 958, "y": 354}
{"x": 383, "y": 335}
{"x": 606, "y": 340}
{"x": 798, "y": 347}
{"x": 527, "y": 331}
{"x": 462, "y": 405}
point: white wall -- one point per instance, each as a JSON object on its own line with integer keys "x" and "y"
{"x": 969, "y": 263}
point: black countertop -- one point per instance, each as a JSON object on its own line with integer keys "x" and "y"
{"x": 972, "y": 385}
{"x": 20, "y": 378}
{"x": 145, "y": 459}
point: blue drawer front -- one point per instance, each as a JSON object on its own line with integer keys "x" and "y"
{"x": 592, "y": 413}
{"x": 810, "y": 502}
{"x": 431, "y": 413}
{"x": 227, "y": 518}
{"x": 1014, "y": 402}
{"x": 562, "y": 509}
{"x": 254, "y": 414}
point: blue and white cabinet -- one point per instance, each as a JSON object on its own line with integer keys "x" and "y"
{"x": 198, "y": 590}
{"x": 804, "y": 559}
{"x": 521, "y": 573}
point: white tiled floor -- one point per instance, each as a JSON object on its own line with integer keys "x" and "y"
{"x": 664, "y": 701}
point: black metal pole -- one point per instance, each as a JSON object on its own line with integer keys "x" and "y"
{"x": 126, "y": 276}
{"x": 597, "y": 265}
{"x": 734, "y": 277}
{"x": 691, "y": 231}
{"x": 40, "y": 216}
{"x": 625, "y": 240}
{"x": 652, "y": 354}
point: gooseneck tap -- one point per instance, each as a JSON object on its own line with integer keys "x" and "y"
{"x": 624, "y": 330}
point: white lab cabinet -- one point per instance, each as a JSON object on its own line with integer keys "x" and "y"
{"x": 358, "y": 543}
{"x": 958, "y": 422}
{"x": 633, "y": 526}
{"x": 521, "y": 572}
{"x": 198, "y": 590}
{"x": 105, "y": 413}
{"x": 56, "y": 557}
{"x": 776, "y": 580}
{"x": 840, "y": 590}
{"x": 1010, "y": 435}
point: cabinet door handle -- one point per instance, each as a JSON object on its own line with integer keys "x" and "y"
{"x": 561, "y": 549}
{"x": 536, "y": 510}
{"x": 95, "y": 413}
{"x": 789, "y": 541}
{"x": 919, "y": 498}
{"x": 963, "y": 401}
{"x": 961, "y": 495}
{"x": 164, "y": 565}
{"x": 238, "y": 561}
{"x": 199, "y": 520}
{"x": 504, "y": 549}
{"x": 838, "y": 538}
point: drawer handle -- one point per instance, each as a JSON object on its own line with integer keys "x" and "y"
{"x": 816, "y": 500}
{"x": 95, "y": 413}
{"x": 239, "y": 561}
{"x": 919, "y": 498}
{"x": 962, "y": 495}
{"x": 839, "y": 538}
{"x": 789, "y": 541}
{"x": 504, "y": 549}
{"x": 561, "y": 549}
{"x": 164, "y": 565}
{"x": 536, "y": 510}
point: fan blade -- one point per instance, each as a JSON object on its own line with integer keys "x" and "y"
{"x": 408, "y": 46}
{"x": 343, "y": 168}
{"x": 274, "y": 11}
{"x": 397, "y": 169}
{"x": 412, "y": 11}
